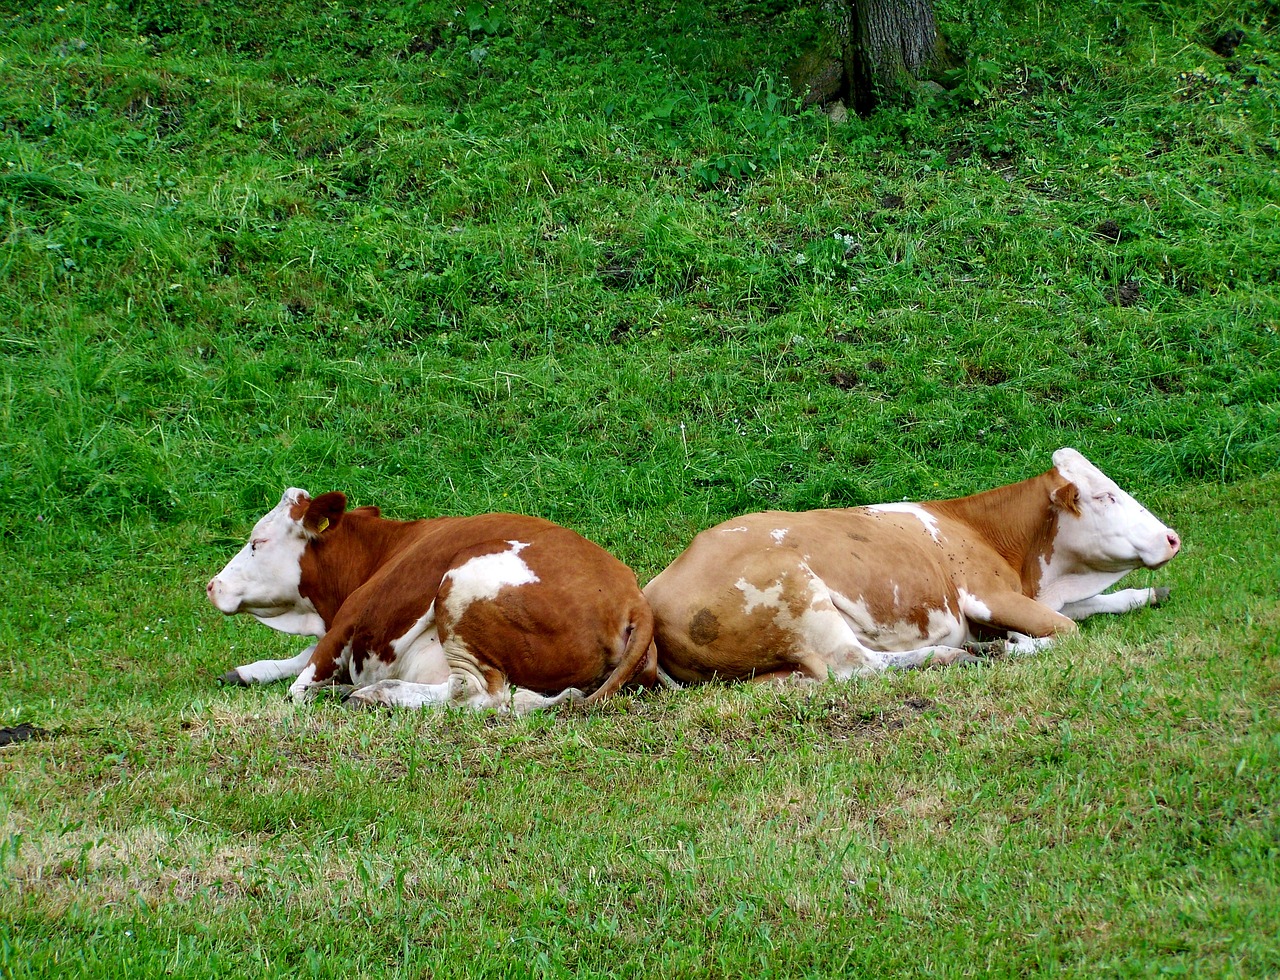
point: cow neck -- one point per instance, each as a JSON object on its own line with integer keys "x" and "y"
{"x": 342, "y": 559}
{"x": 1019, "y": 521}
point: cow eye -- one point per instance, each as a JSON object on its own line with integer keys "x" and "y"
{"x": 1105, "y": 498}
{"x": 253, "y": 545}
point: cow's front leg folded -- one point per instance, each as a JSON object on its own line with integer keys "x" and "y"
{"x": 325, "y": 673}
{"x": 1116, "y": 603}
{"x": 266, "y": 671}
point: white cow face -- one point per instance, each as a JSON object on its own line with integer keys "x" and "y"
{"x": 1111, "y": 531}
{"x": 264, "y": 579}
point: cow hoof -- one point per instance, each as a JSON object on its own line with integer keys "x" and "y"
{"x": 318, "y": 692}
{"x": 1160, "y": 595}
{"x": 232, "y": 678}
{"x": 985, "y": 648}
{"x": 365, "y": 700}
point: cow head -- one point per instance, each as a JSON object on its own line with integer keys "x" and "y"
{"x": 265, "y": 578}
{"x": 1103, "y": 527}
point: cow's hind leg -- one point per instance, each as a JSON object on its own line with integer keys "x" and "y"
{"x": 406, "y": 694}
{"x": 935, "y": 656}
{"x": 459, "y": 691}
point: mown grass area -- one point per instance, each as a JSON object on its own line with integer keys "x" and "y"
{"x": 589, "y": 262}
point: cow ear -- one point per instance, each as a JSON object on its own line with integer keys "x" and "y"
{"x": 324, "y": 512}
{"x": 1067, "y": 497}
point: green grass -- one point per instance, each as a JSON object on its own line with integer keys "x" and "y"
{"x": 586, "y": 262}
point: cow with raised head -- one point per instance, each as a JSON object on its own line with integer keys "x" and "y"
{"x": 855, "y": 590}
{"x": 495, "y": 611}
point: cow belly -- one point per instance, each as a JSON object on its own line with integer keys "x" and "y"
{"x": 920, "y": 625}
{"x": 418, "y": 657}
{"x": 779, "y": 611}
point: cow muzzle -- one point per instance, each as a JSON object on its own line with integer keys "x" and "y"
{"x": 218, "y": 596}
{"x": 1174, "y": 545}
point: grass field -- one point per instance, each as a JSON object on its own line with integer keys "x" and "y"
{"x": 588, "y": 261}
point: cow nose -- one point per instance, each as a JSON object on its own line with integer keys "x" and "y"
{"x": 1174, "y": 542}
{"x": 208, "y": 589}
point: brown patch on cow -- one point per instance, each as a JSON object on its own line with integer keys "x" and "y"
{"x": 704, "y": 628}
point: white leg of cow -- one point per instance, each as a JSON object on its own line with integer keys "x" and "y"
{"x": 937, "y": 656}
{"x": 266, "y": 671}
{"x": 1123, "y": 601}
{"x": 405, "y": 694}
{"x": 521, "y": 700}
{"x": 459, "y": 691}
{"x": 1020, "y": 644}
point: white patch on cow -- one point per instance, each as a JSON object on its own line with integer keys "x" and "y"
{"x": 974, "y": 608}
{"x": 844, "y": 635}
{"x": 915, "y": 510}
{"x": 778, "y": 534}
{"x": 752, "y": 597}
{"x": 418, "y": 657}
{"x": 731, "y": 530}
{"x": 264, "y": 578}
{"x": 483, "y": 577}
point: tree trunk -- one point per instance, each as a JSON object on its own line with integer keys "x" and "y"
{"x": 887, "y": 44}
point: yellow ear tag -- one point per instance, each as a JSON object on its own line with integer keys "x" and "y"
{"x": 322, "y": 524}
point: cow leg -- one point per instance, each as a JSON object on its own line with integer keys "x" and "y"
{"x": 1016, "y": 613}
{"x": 1126, "y": 600}
{"x": 935, "y": 656}
{"x": 326, "y": 671}
{"x": 266, "y": 671}
{"x": 458, "y": 691}
{"x": 810, "y": 668}
{"x": 406, "y": 694}
{"x": 1019, "y": 644}
{"x": 666, "y": 680}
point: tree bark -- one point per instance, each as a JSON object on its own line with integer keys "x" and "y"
{"x": 887, "y": 44}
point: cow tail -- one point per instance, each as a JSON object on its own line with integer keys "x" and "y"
{"x": 638, "y": 655}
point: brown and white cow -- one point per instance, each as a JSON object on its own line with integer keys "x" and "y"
{"x": 841, "y": 592}
{"x": 496, "y": 611}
